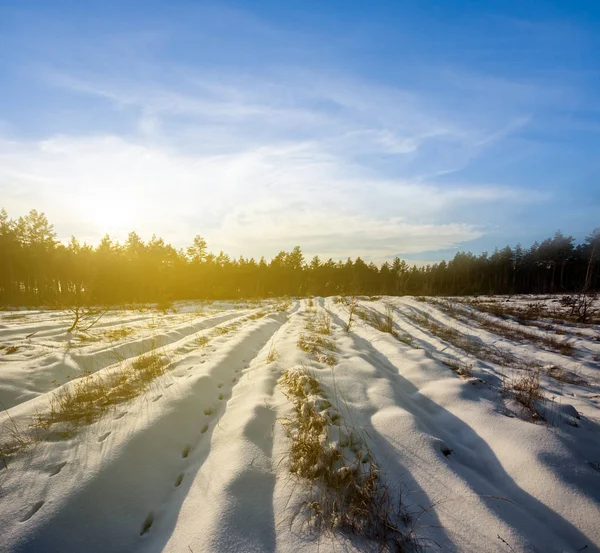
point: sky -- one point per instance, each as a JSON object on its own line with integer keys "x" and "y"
{"x": 355, "y": 128}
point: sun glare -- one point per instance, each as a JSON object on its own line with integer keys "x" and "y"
{"x": 109, "y": 213}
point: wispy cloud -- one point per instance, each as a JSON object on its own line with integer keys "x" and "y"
{"x": 261, "y": 161}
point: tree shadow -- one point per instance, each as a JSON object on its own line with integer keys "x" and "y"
{"x": 474, "y": 462}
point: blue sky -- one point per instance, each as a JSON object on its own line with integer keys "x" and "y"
{"x": 348, "y": 128}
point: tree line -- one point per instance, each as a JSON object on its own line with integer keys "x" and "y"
{"x": 37, "y": 269}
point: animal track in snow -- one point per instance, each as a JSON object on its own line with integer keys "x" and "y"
{"x": 57, "y": 469}
{"x": 154, "y": 400}
{"x": 186, "y": 451}
{"x": 147, "y": 523}
{"x": 204, "y": 429}
{"x": 169, "y": 385}
{"x": 120, "y": 415}
{"x": 220, "y": 385}
{"x": 32, "y": 511}
{"x": 179, "y": 480}
{"x": 104, "y": 436}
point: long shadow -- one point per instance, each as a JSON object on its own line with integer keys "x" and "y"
{"x": 111, "y": 514}
{"x": 475, "y": 463}
{"x": 586, "y": 447}
{"x": 401, "y": 476}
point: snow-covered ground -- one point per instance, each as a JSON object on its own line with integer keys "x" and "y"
{"x": 199, "y": 461}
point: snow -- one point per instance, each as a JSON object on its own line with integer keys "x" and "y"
{"x": 200, "y": 461}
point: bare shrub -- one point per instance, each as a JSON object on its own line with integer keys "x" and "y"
{"x": 581, "y": 306}
{"x": 84, "y": 318}
{"x": 525, "y": 389}
{"x": 352, "y": 309}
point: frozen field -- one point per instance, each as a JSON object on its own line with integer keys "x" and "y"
{"x": 482, "y": 416}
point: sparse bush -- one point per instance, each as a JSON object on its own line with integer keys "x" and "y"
{"x": 352, "y": 307}
{"x": 526, "y": 390}
{"x": 581, "y": 306}
{"x": 84, "y": 318}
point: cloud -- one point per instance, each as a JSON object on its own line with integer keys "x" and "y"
{"x": 254, "y": 202}
{"x": 259, "y": 161}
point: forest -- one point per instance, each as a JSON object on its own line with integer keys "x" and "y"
{"x": 39, "y": 270}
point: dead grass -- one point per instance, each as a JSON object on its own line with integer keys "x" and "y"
{"x": 201, "y": 341}
{"x": 461, "y": 368}
{"x": 258, "y": 315}
{"x": 9, "y": 350}
{"x": 118, "y": 333}
{"x": 525, "y": 389}
{"x": 320, "y": 347}
{"x": 12, "y": 440}
{"x": 319, "y": 323}
{"x": 88, "y": 398}
{"x": 465, "y": 343}
{"x": 505, "y": 329}
{"x": 347, "y": 492}
{"x": 273, "y": 354}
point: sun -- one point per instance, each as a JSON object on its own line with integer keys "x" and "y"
{"x": 108, "y": 211}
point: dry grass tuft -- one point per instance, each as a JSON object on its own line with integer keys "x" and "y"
{"x": 273, "y": 354}
{"x": 318, "y": 346}
{"x": 461, "y": 368}
{"x": 502, "y": 328}
{"x": 201, "y": 341}
{"x": 347, "y": 492}
{"x": 525, "y": 389}
{"x": 320, "y": 323}
{"x": 258, "y": 315}
{"x": 88, "y": 398}
{"x": 118, "y": 333}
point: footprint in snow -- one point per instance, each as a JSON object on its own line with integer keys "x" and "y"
{"x": 169, "y": 385}
{"x": 104, "y": 436}
{"x": 120, "y": 415}
{"x": 57, "y": 469}
{"x": 220, "y": 385}
{"x": 32, "y": 511}
{"x": 204, "y": 429}
{"x": 179, "y": 480}
{"x": 147, "y": 524}
{"x": 154, "y": 400}
{"x": 186, "y": 451}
